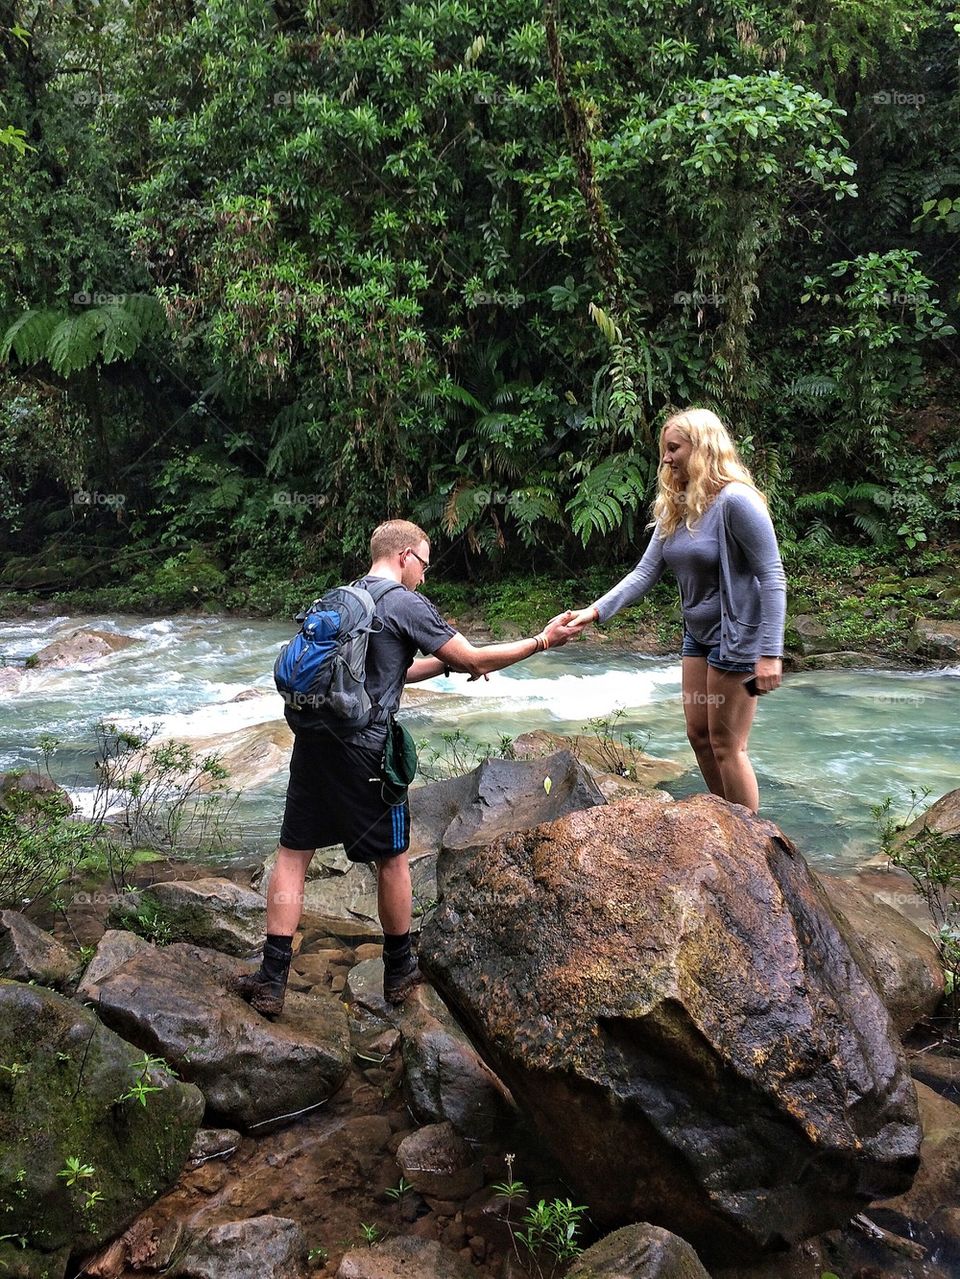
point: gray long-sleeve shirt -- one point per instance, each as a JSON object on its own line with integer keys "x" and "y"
{"x": 733, "y": 591}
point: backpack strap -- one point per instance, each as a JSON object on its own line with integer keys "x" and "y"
{"x": 377, "y": 592}
{"x": 383, "y": 587}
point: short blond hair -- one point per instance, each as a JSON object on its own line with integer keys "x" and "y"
{"x": 394, "y": 536}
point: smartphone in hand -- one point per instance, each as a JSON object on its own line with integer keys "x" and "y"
{"x": 750, "y": 684}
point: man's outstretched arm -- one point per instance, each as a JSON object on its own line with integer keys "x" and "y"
{"x": 458, "y": 654}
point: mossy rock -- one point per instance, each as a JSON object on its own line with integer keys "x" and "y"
{"x": 65, "y": 1094}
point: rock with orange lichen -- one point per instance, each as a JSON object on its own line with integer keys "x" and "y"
{"x": 667, "y": 993}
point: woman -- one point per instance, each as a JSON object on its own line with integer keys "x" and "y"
{"x": 711, "y": 527}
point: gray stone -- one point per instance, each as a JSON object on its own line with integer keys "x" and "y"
{"x": 67, "y": 1092}
{"x": 666, "y": 992}
{"x": 27, "y": 953}
{"x": 439, "y": 1164}
{"x": 405, "y": 1257}
{"x": 640, "y": 1251}
{"x": 903, "y": 959}
{"x": 444, "y": 1077}
{"x": 177, "y": 1001}
{"x": 260, "y": 1248}
{"x": 213, "y": 912}
{"x": 115, "y": 947}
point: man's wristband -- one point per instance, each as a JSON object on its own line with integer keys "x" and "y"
{"x": 541, "y": 642}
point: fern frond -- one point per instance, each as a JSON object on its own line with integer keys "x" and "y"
{"x": 75, "y": 342}
{"x": 610, "y": 490}
{"x": 29, "y": 335}
{"x": 814, "y": 386}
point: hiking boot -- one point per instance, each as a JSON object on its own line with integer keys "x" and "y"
{"x": 264, "y": 990}
{"x": 400, "y": 981}
{"x": 263, "y": 995}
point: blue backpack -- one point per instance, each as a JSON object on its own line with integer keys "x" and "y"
{"x": 321, "y": 672}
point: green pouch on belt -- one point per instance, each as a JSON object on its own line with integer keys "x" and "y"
{"x": 399, "y": 762}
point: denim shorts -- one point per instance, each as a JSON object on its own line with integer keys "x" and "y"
{"x": 693, "y": 648}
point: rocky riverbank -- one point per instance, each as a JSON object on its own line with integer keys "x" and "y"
{"x": 738, "y": 1004}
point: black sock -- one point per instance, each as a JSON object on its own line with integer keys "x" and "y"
{"x": 396, "y": 949}
{"x": 276, "y": 957}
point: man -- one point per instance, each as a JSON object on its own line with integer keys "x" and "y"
{"x": 336, "y": 790}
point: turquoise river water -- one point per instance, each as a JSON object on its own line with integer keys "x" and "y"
{"x": 827, "y": 746}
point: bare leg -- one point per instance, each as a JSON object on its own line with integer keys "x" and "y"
{"x": 394, "y": 894}
{"x": 730, "y": 710}
{"x": 285, "y": 894}
{"x": 695, "y": 706}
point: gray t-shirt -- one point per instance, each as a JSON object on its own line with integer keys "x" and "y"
{"x": 410, "y": 624}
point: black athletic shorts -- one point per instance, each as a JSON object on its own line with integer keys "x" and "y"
{"x": 336, "y": 796}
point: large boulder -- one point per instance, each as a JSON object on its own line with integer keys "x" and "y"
{"x": 640, "y": 1251}
{"x": 499, "y": 795}
{"x": 69, "y": 1094}
{"x": 902, "y": 958}
{"x": 212, "y": 912}
{"x": 176, "y": 1001}
{"x": 27, "y": 953}
{"x": 668, "y": 994}
{"x": 79, "y": 648}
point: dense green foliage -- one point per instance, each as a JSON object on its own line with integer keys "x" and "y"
{"x": 271, "y": 272}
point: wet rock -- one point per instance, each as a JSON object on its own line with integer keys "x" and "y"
{"x": 28, "y": 794}
{"x": 937, "y": 1184}
{"x": 807, "y": 633}
{"x": 444, "y": 1077}
{"x": 213, "y": 912}
{"x": 937, "y": 1071}
{"x": 27, "y": 953}
{"x": 508, "y": 795}
{"x": 602, "y": 756}
{"x": 640, "y": 1251}
{"x": 903, "y": 959}
{"x": 176, "y": 1001}
{"x": 250, "y": 755}
{"x": 439, "y": 1164}
{"x": 66, "y": 1093}
{"x": 115, "y": 947}
{"x": 11, "y": 677}
{"x": 937, "y": 639}
{"x": 942, "y": 818}
{"x": 805, "y": 1261}
{"x": 80, "y": 647}
{"x": 261, "y": 1248}
{"x": 213, "y": 1143}
{"x": 406, "y": 1257}
{"x": 364, "y": 992}
{"x": 667, "y": 993}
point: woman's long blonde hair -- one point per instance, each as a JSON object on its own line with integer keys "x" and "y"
{"x": 714, "y": 462}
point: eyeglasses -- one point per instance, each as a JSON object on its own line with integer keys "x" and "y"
{"x": 424, "y": 564}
